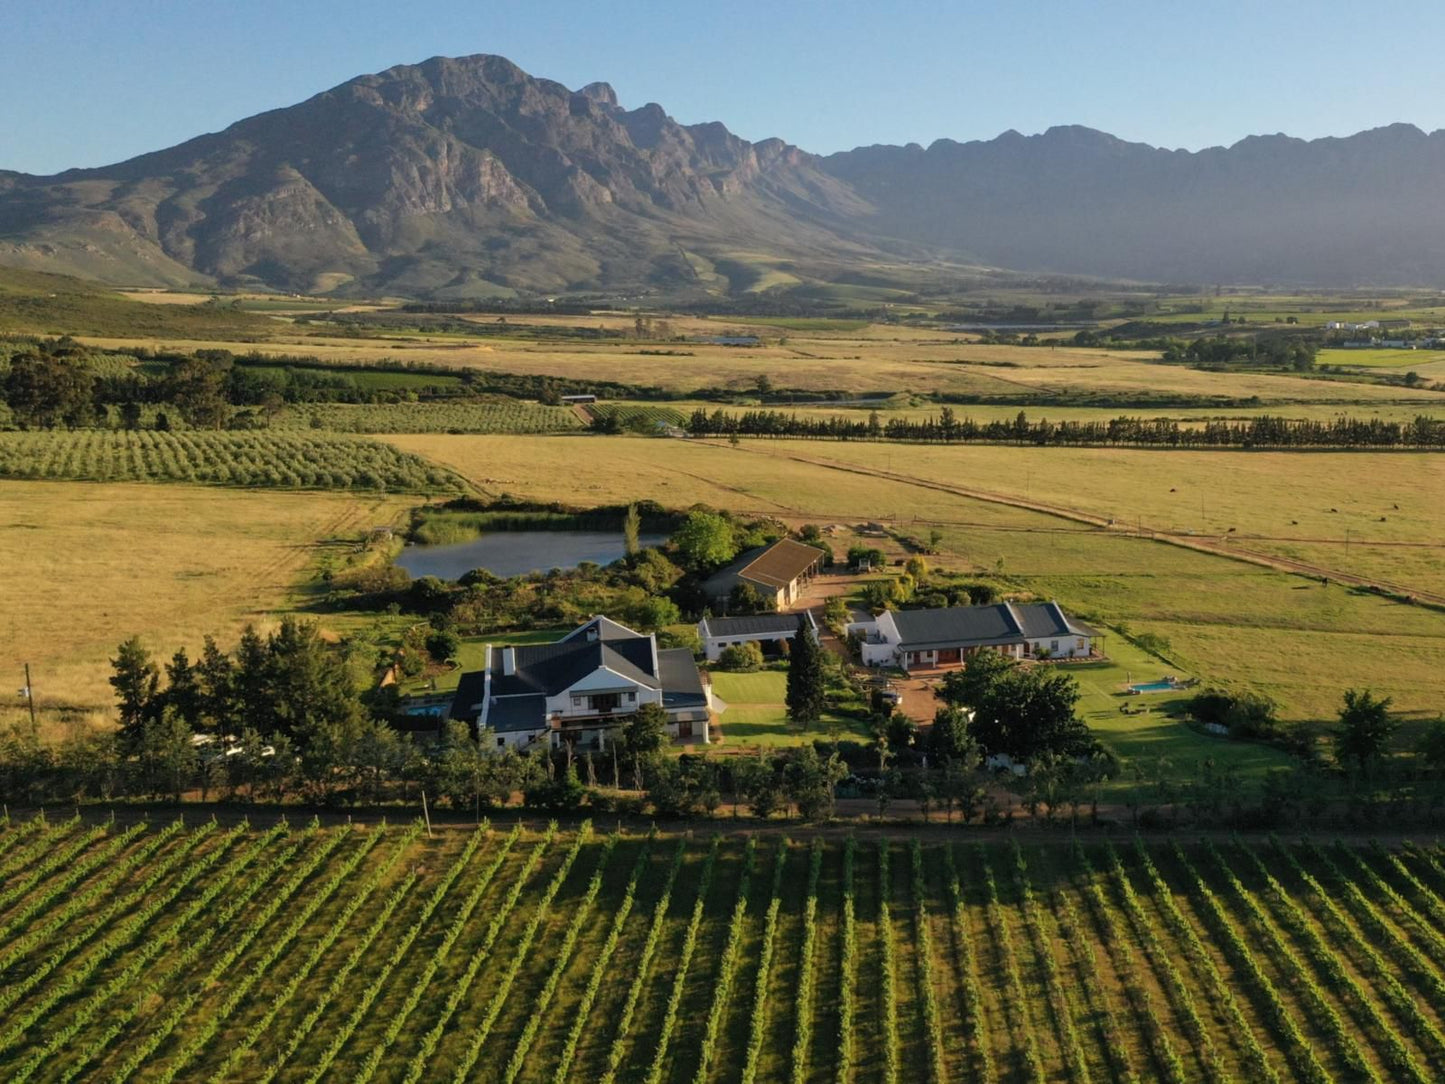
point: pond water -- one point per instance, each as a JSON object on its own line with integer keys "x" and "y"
{"x": 513, "y": 553}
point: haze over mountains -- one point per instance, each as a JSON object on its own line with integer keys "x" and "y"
{"x": 463, "y": 177}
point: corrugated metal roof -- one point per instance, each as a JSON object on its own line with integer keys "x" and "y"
{"x": 757, "y": 625}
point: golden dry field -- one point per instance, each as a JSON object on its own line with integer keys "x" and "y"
{"x": 102, "y": 562}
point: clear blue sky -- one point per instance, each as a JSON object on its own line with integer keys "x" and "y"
{"x": 88, "y": 82}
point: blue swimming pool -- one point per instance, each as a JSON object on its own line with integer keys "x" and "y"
{"x": 1153, "y": 687}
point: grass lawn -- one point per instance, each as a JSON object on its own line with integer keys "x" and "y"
{"x": 756, "y": 714}
{"x": 1162, "y": 731}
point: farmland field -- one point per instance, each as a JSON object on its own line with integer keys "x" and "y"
{"x": 282, "y": 460}
{"x": 171, "y": 563}
{"x": 1297, "y": 640}
{"x": 511, "y": 954}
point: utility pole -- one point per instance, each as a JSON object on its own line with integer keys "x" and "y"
{"x": 30, "y": 697}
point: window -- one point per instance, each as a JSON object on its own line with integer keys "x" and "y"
{"x": 629, "y": 697}
{"x": 1054, "y": 646}
{"x": 501, "y": 742}
{"x": 576, "y": 701}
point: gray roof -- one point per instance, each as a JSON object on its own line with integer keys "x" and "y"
{"x": 923, "y": 630}
{"x": 550, "y": 668}
{"x": 681, "y": 681}
{"x": 773, "y": 566}
{"x": 471, "y": 690}
{"x": 757, "y": 625}
{"x": 513, "y": 713}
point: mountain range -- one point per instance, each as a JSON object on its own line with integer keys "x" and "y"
{"x": 468, "y": 177}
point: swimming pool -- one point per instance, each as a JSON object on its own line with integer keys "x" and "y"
{"x": 1153, "y": 687}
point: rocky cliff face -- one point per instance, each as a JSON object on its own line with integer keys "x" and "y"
{"x": 460, "y": 177}
{"x": 423, "y": 177}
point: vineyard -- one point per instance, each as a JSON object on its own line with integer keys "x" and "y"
{"x": 261, "y": 458}
{"x": 166, "y": 952}
{"x": 505, "y": 416}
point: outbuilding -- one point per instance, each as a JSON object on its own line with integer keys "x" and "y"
{"x": 772, "y": 630}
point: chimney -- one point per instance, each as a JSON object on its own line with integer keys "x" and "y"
{"x": 509, "y": 661}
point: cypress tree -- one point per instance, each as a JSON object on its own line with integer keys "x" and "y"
{"x": 805, "y": 678}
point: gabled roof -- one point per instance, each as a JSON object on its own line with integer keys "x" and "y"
{"x": 956, "y": 625}
{"x": 601, "y": 628}
{"x": 757, "y": 625}
{"x": 773, "y": 566}
{"x": 513, "y": 713}
{"x": 550, "y": 668}
{"x": 781, "y": 563}
{"x": 1005, "y": 622}
{"x": 471, "y": 691}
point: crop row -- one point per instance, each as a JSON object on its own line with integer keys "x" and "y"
{"x": 507, "y": 416}
{"x": 219, "y": 955}
{"x": 261, "y": 458}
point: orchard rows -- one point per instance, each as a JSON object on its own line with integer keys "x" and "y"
{"x": 288, "y": 460}
{"x": 209, "y": 952}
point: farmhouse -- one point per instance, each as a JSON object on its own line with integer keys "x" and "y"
{"x": 779, "y": 571}
{"x": 768, "y": 630}
{"x": 924, "y": 639}
{"x": 574, "y": 691}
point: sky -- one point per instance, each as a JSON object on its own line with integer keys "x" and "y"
{"x": 90, "y": 82}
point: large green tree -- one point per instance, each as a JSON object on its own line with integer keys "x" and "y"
{"x": 1021, "y": 712}
{"x": 706, "y": 540}
{"x": 45, "y": 391}
{"x": 1365, "y": 728}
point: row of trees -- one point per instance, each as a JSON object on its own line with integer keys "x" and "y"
{"x": 946, "y": 428}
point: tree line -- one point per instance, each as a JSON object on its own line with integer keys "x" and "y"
{"x": 1265, "y": 431}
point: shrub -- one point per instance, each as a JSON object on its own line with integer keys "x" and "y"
{"x": 741, "y": 658}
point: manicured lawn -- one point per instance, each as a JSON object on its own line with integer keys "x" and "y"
{"x": 756, "y": 714}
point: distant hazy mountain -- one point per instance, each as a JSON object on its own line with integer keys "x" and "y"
{"x": 1369, "y": 208}
{"x": 461, "y": 177}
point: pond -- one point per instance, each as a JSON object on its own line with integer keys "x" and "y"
{"x": 513, "y": 553}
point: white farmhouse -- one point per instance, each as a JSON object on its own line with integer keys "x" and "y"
{"x": 928, "y": 639}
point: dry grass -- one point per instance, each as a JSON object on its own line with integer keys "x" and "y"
{"x": 91, "y": 565}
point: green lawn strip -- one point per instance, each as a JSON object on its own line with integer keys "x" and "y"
{"x": 140, "y": 964}
{"x": 363, "y": 1001}
{"x": 40, "y": 931}
{"x": 1396, "y": 1055}
{"x": 684, "y": 962}
{"x": 1062, "y": 1003}
{"x": 758, "y": 1014}
{"x": 140, "y": 909}
{"x": 604, "y": 959}
{"x": 1216, "y": 989}
{"x": 277, "y": 942}
{"x": 421, "y": 983}
{"x": 1114, "y": 1039}
{"x": 338, "y": 925}
{"x": 966, "y": 967}
{"x": 1321, "y": 1008}
{"x": 338, "y": 982}
{"x": 722, "y": 983}
{"x": 641, "y": 974}
{"x": 1126, "y": 966}
{"x": 1161, "y": 956}
{"x": 540, "y": 909}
